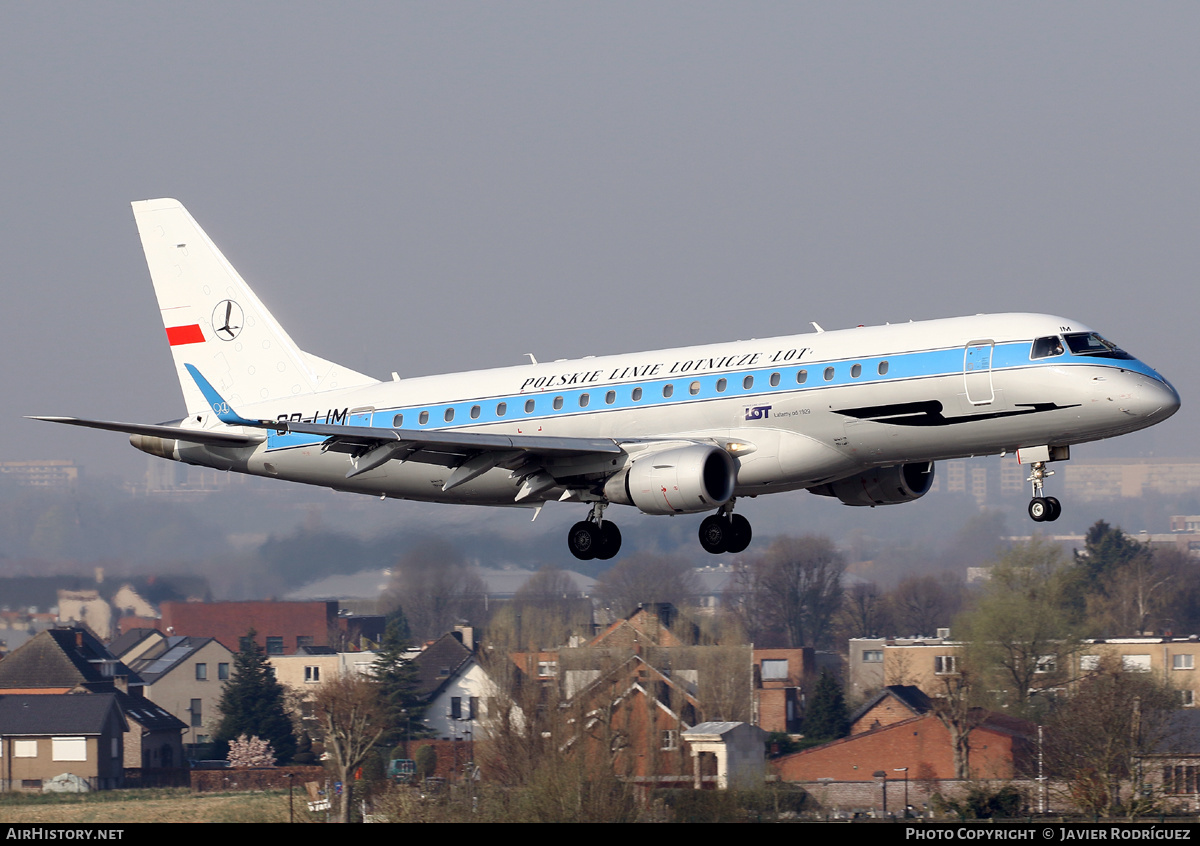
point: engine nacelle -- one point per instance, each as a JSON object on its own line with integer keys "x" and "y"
{"x": 684, "y": 480}
{"x": 882, "y": 486}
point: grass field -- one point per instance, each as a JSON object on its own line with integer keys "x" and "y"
{"x": 161, "y": 806}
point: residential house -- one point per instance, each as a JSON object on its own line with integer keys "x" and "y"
{"x": 186, "y": 676}
{"x": 76, "y": 739}
{"x": 66, "y": 661}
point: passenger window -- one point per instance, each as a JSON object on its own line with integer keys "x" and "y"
{"x": 828, "y": 374}
{"x": 883, "y": 368}
{"x": 529, "y": 406}
{"x": 694, "y": 388}
{"x": 423, "y": 418}
{"x": 1047, "y": 347}
{"x": 610, "y": 397}
{"x": 856, "y": 371}
{"x": 668, "y": 390}
{"x": 501, "y": 409}
{"x": 398, "y": 421}
{"x": 474, "y": 411}
{"x": 801, "y": 377}
{"x": 774, "y": 380}
{"x": 637, "y": 394}
{"x": 449, "y": 414}
{"x": 748, "y": 382}
{"x": 557, "y": 403}
{"x": 721, "y": 383}
{"x": 584, "y": 399}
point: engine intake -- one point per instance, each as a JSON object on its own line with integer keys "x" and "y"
{"x": 684, "y": 480}
{"x": 882, "y": 486}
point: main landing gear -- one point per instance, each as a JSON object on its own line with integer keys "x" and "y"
{"x": 1042, "y": 508}
{"x": 594, "y": 537}
{"x": 725, "y": 532}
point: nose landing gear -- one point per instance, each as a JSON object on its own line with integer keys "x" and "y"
{"x": 1042, "y": 508}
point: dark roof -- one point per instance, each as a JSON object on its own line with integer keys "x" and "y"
{"x": 439, "y": 662}
{"x": 62, "y": 658}
{"x": 148, "y": 714}
{"x": 64, "y": 713}
{"x": 908, "y": 695}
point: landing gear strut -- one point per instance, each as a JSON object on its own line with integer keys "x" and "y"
{"x": 725, "y": 531}
{"x": 594, "y": 537}
{"x": 1042, "y": 508}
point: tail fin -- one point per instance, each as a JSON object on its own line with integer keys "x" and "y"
{"x": 215, "y": 322}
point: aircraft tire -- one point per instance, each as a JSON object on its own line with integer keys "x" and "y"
{"x": 1053, "y": 509}
{"x": 584, "y": 540}
{"x": 740, "y": 534}
{"x": 1038, "y": 509}
{"x": 610, "y": 541}
{"x": 715, "y": 532}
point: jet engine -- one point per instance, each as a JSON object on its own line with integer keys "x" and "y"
{"x": 683, "y": 480}
{"x": 882, "y": 486}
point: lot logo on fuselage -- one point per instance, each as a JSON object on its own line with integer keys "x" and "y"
{"x": 758, "y": 412}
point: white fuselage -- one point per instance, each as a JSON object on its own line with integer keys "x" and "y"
{"x": 795, "y": 411}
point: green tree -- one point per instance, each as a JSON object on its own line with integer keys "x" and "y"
{"x": 827, "y": 718}
{"x": 398, "y": 680}
{"x": 252, "y": 703}
{"x": 1022, "y": 634}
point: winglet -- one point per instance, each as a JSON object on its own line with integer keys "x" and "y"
{"x": 221, "y": 408}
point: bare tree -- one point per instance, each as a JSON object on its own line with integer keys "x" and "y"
{"x": 437, "y": 589}
{"x": 794, "y": 587}
{"x": 352, "y": 719}
{"x": 644, "y": 579}
{"x": 543, "y": 614}
{"x": 923, "y": 604}
{"x": 1097, "y": 736}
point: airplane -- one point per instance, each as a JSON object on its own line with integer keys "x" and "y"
{"x": 859, "y": 414}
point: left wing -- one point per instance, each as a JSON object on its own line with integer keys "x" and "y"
{"x": 539, "y": 462}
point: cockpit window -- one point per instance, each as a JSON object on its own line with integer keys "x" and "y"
{"x": 1089, "y": 343}
{"x": 1047, "y": 347}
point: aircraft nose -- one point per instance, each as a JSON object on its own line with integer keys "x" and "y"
{"x": 1152, "y": 400}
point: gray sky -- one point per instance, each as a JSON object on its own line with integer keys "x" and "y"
{"x": 429, "y": 187}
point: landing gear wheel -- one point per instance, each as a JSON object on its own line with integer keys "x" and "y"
{"x": 740, "y": 534}
{"x": 584, "y": 540}
{"x": 1039, "y": 509}
{"x": 1053, "y": 509}
{"x": 610, "y": 541}
{"x": 715, "y": 534}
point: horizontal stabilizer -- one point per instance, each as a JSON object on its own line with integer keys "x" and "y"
{"x": 195, "y": 436}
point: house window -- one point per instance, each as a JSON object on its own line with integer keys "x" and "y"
{"x": 775, "y": 668}
{"x": 312, "y": 674}
{"x": 303, "y": 641}
{"x": 1046, "y": 664}
{"x": 68, "y": 749}
{"x": 275, "y": 646}
{"x": 1187, "y": 698}
{"x": 223, "y": 671}
{"x": 24, "y": 748}
{"x": 1089, "y": 663}
{"x": 872, "y": 656}
{"x": 456, "y": 707}
{"x": 1135, "y": 663}
{"x": 473, "y": 706}
{"x": 201, "y": 672}
{"x": 670, "y": 739}
{"x": 1183, "y": 662}
{"x": 197, "y": 712}
{"x": 547, "y": 669}
{"x": 945, "y": 665}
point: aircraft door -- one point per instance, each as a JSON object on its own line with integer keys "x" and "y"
{"x": 977, "y": 372}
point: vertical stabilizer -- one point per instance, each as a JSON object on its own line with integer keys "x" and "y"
{"x": 216, "y": 323}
